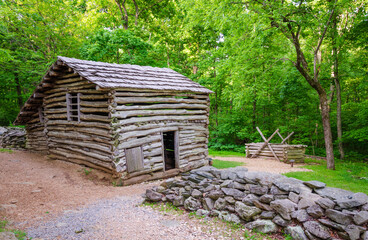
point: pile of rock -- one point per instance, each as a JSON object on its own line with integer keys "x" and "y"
{"x": 269, "y": 202}
{"x": 12, "y": 137}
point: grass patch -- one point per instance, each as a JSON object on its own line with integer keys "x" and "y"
{"x": 216, "y": 153}
{"x": 6, "y": 150}
{"x": 352, "y": 176}
{"x": 19, "y": 234}
{"x": 225, "y": 164}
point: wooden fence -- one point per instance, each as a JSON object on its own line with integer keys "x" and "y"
{"x": 284, "y": 152}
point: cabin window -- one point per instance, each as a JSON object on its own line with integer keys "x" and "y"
{"x": 134, "y": 159}
{"x": 40, "y": 115}
{"x": 170, "y": 149}
{"x": 73, "y": 106}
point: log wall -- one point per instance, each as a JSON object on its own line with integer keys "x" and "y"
{"x": 139, "y": 118}
{"x": 87, "y": 141}
{"x": 36, "y": 135}
{"x": 284, "y": 152}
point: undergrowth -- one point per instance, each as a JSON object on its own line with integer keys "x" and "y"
{"x": 18, "y": 233}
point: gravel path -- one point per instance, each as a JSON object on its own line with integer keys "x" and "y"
{"x": 119, "y": 218}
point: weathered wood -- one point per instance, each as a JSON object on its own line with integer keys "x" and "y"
{"x": 158, "y": 118}
{"x": 125, "y": 136}
{"x": 126, "y": 114}
{"x": 99, "y": 146}
{"x": 83, "y": 124}
{"x": 161, "y": 93}
{"x": 134, "y": 159}
{"x": 138, "y": 142}
{"x": 125, "y": 100}
{"x": 151, "y": 177}
{"x": 265, "y": 143}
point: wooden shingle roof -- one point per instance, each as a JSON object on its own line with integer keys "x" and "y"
{"x": 110, "y": 75}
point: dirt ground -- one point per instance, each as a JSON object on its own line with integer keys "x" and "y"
{"x": 265, "y": 165}
{"x": 33, "y": 187}
{"x": 50, "y": 199}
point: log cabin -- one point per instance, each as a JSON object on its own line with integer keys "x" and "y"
{"x": 138, "y": 123}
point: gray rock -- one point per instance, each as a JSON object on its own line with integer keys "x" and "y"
{"x": 276, "y": 191}
{"x": 235, "y": 193}
{"x": 8, "y": 236}
{"x": 267, "y": 198}
{"x": 226, "y": 183}
{"x": 160, "y": 189}
{"x": 230, "y": 200}
{"x": 249, "y": 199}
{"x": 331, "y": 224}
{"x": 284, "y": 207}
{"x": 195, "y": 178}
{"x": 338, "y": 216}
{"x": 296, "y": 233}
{"x": 333, "y": 193}
{"x": 264, "y": 226}
{"x": 153, "y": 196}
{"x": 315, "y": 184}
{"x": 365, "y": 207}
{"x": 171, "y": 197}
{"x": 302, "y": 216}
{"x": 292, "y": 185}
{"x": 326, "y": 203}
{"x": 220, "y": 204}
{"x": 215, "y": 194}
{"x": 205, "y": 174}
{"x": 294, "y": 197}
{"x": 263, "y": 206}
{"x": 246, "y": 212}
{"x": 192, "y": 204}
{"x": 356, "y": 200}
{"x": 279, "y": 197}
{"x": 202, "y": 212}
{"x": 257, "y": 189}
{"x": 280, "y": 221}
{"x": 208, "y": 204}
{"x": 343, "y": 235}
{"x": 209, "y": 188}
{"x": 361, "y": 217}
{"x": 229, "y": 217}
{"x": 267, "y": 215}
{"x": 236, "y": 185}
{"x": 353, "y": 232}
{"x": 307, "y": 200}
{"x": 227, "y": 174}
{"x": 230, "y": 208}
{"x": 365, "y": 235}
{"x": 178, "y": 201}
{"x": 315, "y": 211}
{"x": 317, "y": 229}
{"x": 214, "y": 171}
{"x": 310, "y": 236}
{"x": 196, "y": 193}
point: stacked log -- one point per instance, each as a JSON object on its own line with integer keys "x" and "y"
{"x": 284, "y": 152}
{"x": 139, "y": 118}
{"x": 85, "y": 141}
{"x": 11, "y": 137}
{"x": 36, "y": 134}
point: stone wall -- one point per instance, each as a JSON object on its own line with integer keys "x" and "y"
{"x": 12, "y": 137}
{"x": 269, "y": 202}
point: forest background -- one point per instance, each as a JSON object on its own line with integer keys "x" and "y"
{"x": 269, "y": 62}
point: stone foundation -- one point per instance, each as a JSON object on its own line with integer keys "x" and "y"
{"x": 269, "y": 202}
{"x": 12, "y": 137}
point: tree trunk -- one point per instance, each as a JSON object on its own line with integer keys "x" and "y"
{"x": 19, "y": 91}
{"x": 338, "y": 87}
{"x": 325, "y": 112}
{"x": 254, "y": 120}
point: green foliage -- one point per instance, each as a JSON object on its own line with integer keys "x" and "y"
{"x": 348, "y": 175}
{"x": 6, "y": 150}
{"x": 19, "y": 234}
{"x": 220, "y": 164}
{"x": 216, "y": 153}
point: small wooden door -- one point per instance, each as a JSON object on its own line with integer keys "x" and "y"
{"x": 134, "y": 159}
